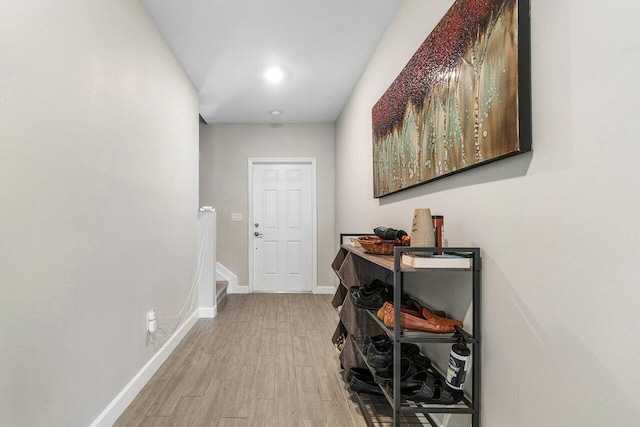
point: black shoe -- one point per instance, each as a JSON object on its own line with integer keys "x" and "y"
{"x": 368, "y": 290}
{"x": 407, "y": 370}
{"x": 426, "y": 387}
{"x": 409, "y": 348}
{"x": 380, "y": 354}
{"x": 363, "y": 374}
{"x": 420, "y": 361}
{"x": 372, "y": 298}
{"x": 374, "y": 287}
{"x": 359, "y": 386}
{"x": 378, "y": 339}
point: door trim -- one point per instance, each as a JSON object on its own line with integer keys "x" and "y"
{"x": 314, "y": 212}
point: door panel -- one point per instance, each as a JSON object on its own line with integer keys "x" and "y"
{"x": 282, "y": 239}
{"x": 271, "y": 210}
{"x": 271, "y": 257}
{"x": 294, "y": 210}
{"x": 294, "y": 262}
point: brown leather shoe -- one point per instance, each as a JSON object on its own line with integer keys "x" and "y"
{"x": 408, "y": 320}
{"x": 417, "y": 307}
{"x": 437, "y": 320}
{"x": 436, "y": 317}
{"x": 388, "y": 307}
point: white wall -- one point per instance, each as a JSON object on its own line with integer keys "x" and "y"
{"x": 559, "y": 228}
{"x": 98, "y": 196}
{"x": 224, "y": 150}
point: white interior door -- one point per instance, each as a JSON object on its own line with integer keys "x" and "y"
{"x": 282, "y": 227}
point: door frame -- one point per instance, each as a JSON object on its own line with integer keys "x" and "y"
{"x": 314, "y": 212}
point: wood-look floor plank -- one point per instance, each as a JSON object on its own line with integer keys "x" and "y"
{"x": 155, "y": 422}
{"x": 282, "y": 312}
{"x": 268, "y": 342}
{"x": 222, "y": 361}
{"x": 302, "y": 351}
{"x": 174, "y": 361}
{"x": 254, "y": 326}
{"x": 286, "y": 393}
{"x": 327, "y": 384}
{"x": 168, "y": 397}
{"x": 336, "y": 413}
{"x": 135, "y": 414}
{"x": 283, "y": 334}
{"x": 207, "y": 410}
{"x": 233, "y": 422}
{"x": 285, "y": 364}
{"x": 197, "y": 377}
{"x": 270, "y": 318}
{"x": 309, "y": 399}
{"x": 263, "y": 386}
{"x": 246, "y": 353}
{"x": 320, "y": 343}
{"x": 262, "y": 413}
{"x": 286, "y": 402}
{"x": 187, "y": 411}
{"x": 352, "y": 404}
{"x": 237, "y": 330}
{"x": 238, "y": 393}
{"x": 258, "y": 308}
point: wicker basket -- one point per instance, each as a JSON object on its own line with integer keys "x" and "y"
{"x": 377, "y": 246}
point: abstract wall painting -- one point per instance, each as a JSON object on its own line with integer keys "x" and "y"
{"x": 463, "y": 100}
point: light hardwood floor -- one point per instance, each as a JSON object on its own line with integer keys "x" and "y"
{"x": 266, "y": 360}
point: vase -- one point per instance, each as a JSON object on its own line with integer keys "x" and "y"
{"x": 422, "y": 235}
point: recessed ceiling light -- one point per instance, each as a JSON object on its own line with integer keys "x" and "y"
{"x": 274, "y": 75}
{"x": 276, "y": 112}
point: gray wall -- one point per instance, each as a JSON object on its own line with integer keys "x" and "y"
{"x": 559, "y": 228}
{"x": 98, "y": 196}
{"x": 224, "y": 150}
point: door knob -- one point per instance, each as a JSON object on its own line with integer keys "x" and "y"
{"x": 257, "y": 234}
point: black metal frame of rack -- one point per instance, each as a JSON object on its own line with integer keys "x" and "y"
{"x": 401, "y": 406}
{"x": 399, "y": 336}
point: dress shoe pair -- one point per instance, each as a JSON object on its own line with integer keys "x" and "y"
{"x": 378, "y": 339}
{"x": 372, "y": 296}
{"x": 408, "y": 370}
{"x": 417, "y": 318}
{"x": 425, "y": 386}
{"x": 379, "y": 353}
{"x": 361, "y": 381}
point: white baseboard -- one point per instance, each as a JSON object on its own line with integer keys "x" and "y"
{"x": 118, "y": 405}
{"x": 208, "y": 312}
{"x": 325, "y": 290}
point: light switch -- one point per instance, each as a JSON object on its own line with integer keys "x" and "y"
{"x": 235, "y": 217}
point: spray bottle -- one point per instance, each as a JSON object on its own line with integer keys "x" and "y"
{"x": 458, "y": 364}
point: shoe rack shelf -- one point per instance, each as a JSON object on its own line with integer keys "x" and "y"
{"x": 463, "y": 407}
{"x": 354, "y": 267}
{"x": 422, "y": 337}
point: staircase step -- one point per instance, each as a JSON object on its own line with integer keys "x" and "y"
{"x": 221, "y": 290}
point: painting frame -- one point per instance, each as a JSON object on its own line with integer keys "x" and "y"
{"x": 428, "y": 125}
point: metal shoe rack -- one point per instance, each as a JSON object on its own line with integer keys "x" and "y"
{"x": 355, "y": 267}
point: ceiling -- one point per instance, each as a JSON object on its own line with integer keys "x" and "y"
{"x": 225, "y": 46}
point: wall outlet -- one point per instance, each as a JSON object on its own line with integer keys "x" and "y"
{"x": 236, "y": 217}
{"x": 151, "y": 321}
